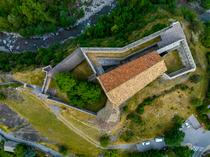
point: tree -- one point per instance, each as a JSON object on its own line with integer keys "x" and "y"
{"x": 80, "y": 93}
{"x": 173, "y": 136}
{"x": 205, "y": 4}
{"x": 65, "y": 81}
{"x": 104, "y": 140}
{"x": 24, "y": 151}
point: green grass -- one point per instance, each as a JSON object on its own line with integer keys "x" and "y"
{"x": 48, "y": 125}
{"x": 86, "y": 128}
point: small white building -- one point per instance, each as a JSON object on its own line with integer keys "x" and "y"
{"x": 9, "y": 146}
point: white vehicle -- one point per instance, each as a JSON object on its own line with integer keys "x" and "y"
{"x": 158, "y": 140}
{"x": 187, "y": 125}
{"x": 146, "y": 143}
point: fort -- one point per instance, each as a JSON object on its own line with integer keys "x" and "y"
{"x": 122, "y": 72}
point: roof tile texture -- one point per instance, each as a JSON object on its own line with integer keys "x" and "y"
{"x": 125, "y": 72}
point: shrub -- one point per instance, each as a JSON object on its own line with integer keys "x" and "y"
{"x": 111, "y": 153}
{"x": 182, "y": 86}
{"x": 134, "y": 117}
{"x": 189, "y": 15}
{"x": 149, "y": 100}
{"x": 104, "y": 140}
{"x": 63, "y": 149}
{"x": 195, "y": 78}
{"x": 140, "y": 109}
{"x": 196, "y": 102}
{"x": 127, "y": 135}
{"x": 125, "y": 108}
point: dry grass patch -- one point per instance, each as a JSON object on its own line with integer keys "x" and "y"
{"x": 35, "y": 77}
{"x": 157, "y": 116}
{"x": 173, "y": 61}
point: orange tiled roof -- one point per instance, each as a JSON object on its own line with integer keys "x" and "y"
{"x": 125, "y": 72}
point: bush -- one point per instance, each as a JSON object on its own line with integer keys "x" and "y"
{"x": 2, "y": 96}
{"x": 195, "y": 78}
{"x": 104, "y": 140}
{"x": 206, "y": 35}
{"x": 182, "y": 86}
{"x": 134, "y": 117}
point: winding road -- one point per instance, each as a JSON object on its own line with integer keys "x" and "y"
{"x": 32, "y": 144}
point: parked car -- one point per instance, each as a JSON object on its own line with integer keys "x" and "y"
{"x": 187, "y": 125}
{"x": 146, "y": 143}
{"x": 159, "y": 139}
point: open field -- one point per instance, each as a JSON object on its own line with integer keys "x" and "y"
{"x": 158, "y": 115}
{"x": 35, "y": 77}
{"x": 48, "y": 125}
{"x": 89, "y": 130}
{"x": 173, "y": 61}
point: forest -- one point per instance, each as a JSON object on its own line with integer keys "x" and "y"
{"x": 34, "y": 17}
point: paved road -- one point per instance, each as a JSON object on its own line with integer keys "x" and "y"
{"x": 153, "y": 145}
{"x": 196, "y": 137}
{"x": 32, "y": 144}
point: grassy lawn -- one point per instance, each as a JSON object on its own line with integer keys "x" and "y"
{"x": 89, "y": 130}
{"x": 48, "y": 125}
{"x": 35, "y": 77}
{"x": 173, "y": 61}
